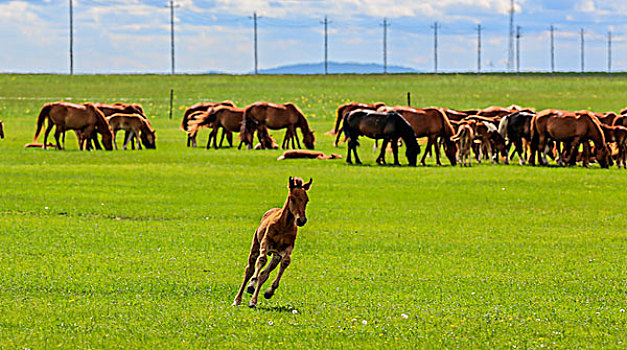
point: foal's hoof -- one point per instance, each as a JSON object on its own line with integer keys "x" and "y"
{"x": 269, "y": 293}
{"x": 252, "y": 305}
{"x": 250, "y": 289}
{"x": 236, "y": 302}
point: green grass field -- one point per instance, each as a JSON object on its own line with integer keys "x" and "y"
{"x": 147, "y": 249}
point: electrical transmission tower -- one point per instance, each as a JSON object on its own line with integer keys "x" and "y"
{"x": 254, "y": 18}
{"x": 71, "y": 39}
{"x": 510, "y": 57}
{"x": 171, "y": 5}
{"x": 435, "y": 47}
{"x": 479, "y": 48}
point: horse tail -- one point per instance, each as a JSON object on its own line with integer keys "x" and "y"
{"x": 340, "y": 117}
{"x": 41, "y": 119}
{"x": 503, "y": 125}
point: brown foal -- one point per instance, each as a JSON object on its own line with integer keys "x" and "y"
{"x": 275, "y": 236}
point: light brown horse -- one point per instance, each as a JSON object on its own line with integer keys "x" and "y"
{"x": 275, "y": 236}
{"x": 617, "y": 134}
{"x": 120, "y": 107}
{"x": 346, "y": 108}
{"x": 570, "y": 128}
{"x": 135, "y": 125}
{"x": 199, "y": 107}
{"x": 265, "y": 115}
{"x": 84, "y": 119}
{"x": 225, "y": 117}
{"x": 464, "y": 138}
{"x": 497, "y": 112}
{"x": 1, "y": 129}
{"x": 431, "y": 123}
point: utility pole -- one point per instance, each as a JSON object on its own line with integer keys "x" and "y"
{"x": 326, "y": 46}
{"x": 510, "y": 58}
{"x": 255, "y": 40}
{"x": 71, "y": 39}
{"x": 517, "y": 50}
{"x": 479, "y": 49}
{"x": 435, "y": 46}
{"x": 609, "y": 53}
{"x": 172, "y": 6}
{"x": 552, "y": 50}
{"x": 385, "y": 45}
{"x": 582, "y": 52}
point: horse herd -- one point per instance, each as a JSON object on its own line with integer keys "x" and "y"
{"x": 567, "y": 137}
{"x": 489, "y": 133}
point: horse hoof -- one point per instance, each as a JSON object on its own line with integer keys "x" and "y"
{"x": 236, "y": 302}
{"x": 250, "y": 289}
{"x": 252, "y": 305}
{"x": 269, "y": 293}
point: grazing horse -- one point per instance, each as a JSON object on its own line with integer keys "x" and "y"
{"x": 454, "y": 115}
{"x": 570, "y": 128}
{"x": 389, "y": 126}
{"x": 347, "y": 108}
{"x": 134, "y": 125}
{"x": 620, "y": 120}
{"x": 225, "y": 117}
{"x": 306, "y": 154}
{"x": 265, "y": 115}
{"x": 84, "y": 119}
{"x": 275, "y": 236}
{"x": 516, "y": 128}
{"x": 617, "y": 134}
{"x": 119, "y": 107}
{"x": 464, "y": 138}
{"x": 496, "y": 112}
{"x": 433, "y": 124}
{"x": 1, "y": 130}
{"x": 624, "y": 111}
{"x": 199, "y": 107}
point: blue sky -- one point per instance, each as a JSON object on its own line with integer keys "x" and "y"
{"x": 216, "y": 35}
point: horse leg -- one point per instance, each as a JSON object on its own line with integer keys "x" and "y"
{"x": 259, "y": 277}
{"x": 136, "y": 136}
{"x": 436, "y": 150}
{"x": 229, "y": 139}
{"x": 222, "y": 137}
{"x": 250, "y": 269}
{"x": 286, "y": 139}
{"x": 297, "y": 140}
{"x": 381, "y": 158}
{"x": 57, "y": 133}
{"x": 357, "y": 160}
{"x": 348, "y": 156}
{"x": 46, "y": 133}
{"x": 213, "y": 135}
{"x": 395, "y": 152}
{"x": 285, "y": 262}
{"x": 427, "y": 150}
{"x": 572, "y": 160}
{"x": 263, "y": 277}
{"x": 127, "y": 137}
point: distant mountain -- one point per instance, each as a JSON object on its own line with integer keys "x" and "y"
{"x": 336, "y": 68}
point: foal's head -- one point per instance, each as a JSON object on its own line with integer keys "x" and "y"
{"x": 297, "y": 199}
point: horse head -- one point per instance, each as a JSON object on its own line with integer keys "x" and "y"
{"x": 309, "y": 140}
{"x": 297, "y": 199}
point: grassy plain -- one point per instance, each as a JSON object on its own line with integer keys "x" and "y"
{"x": 147, "y": 249}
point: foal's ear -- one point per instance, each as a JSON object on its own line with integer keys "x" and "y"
{"x": 307, "y": 186}
{"x": 291, "y": 183}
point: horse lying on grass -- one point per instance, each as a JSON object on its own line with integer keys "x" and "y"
{"x": 305, "y": 154}
{"x": 275, "y": 236}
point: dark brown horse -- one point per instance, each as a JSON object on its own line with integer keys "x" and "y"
{"x": 275, "y": 237}
{"x": 389, "y": 126}
{"x": 199, "y": 107}
{"x": 347, "y": 108}
{"x": 1, "y": 129}
{"x": 265, "y": 115}
{"x": 433, "y": 124}
{"x": 84, "y": 119}
{"x": 516, "y": 129}
{"x": 570, "y": 128}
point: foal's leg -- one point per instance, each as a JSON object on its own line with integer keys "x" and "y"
{"x": 128, "y": 139}
{"x": 263, "y": 277}
{"x": 229, "y": 138}
{"x": 46, "y": 133}
{"x": 136, "y": 136}
{"x": 250, "y": 268}
{"x": 285, "y": 262}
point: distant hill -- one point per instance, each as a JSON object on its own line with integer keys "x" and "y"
{"x": 336, "y": 68}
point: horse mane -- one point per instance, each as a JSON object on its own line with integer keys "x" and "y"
{"x": 446, "y": 124}
{"x": 596, "y": 124}
{"x": 100, "y": 117}
{"x": 407, "y": 131}
{"x": 302, "y": 121}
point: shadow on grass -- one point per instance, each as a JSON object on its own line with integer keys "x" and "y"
{"x": 276, "y": 308}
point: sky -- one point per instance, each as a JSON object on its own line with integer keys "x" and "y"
{"x": 128, "y": 36}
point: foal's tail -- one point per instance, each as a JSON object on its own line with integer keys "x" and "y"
{"x": 41, "y": 119}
